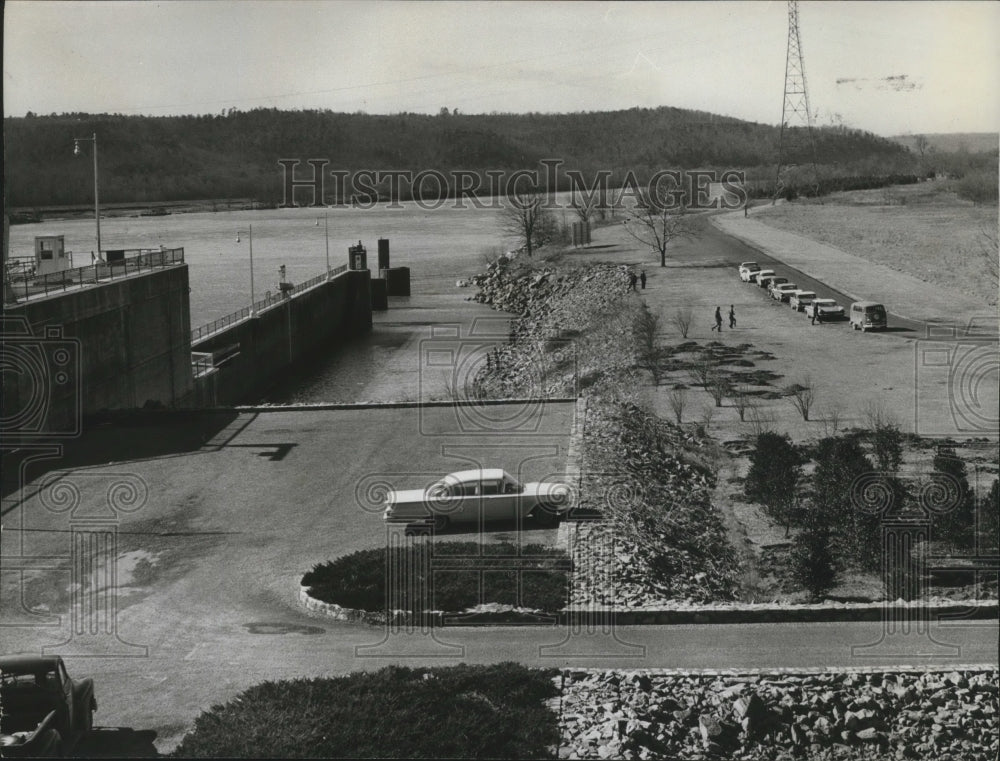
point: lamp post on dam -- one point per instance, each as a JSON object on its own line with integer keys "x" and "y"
{"x": 253, "y": 300}
{"x": 97, "y": 203}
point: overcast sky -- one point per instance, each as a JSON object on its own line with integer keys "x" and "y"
{"x": 888, "y": 67}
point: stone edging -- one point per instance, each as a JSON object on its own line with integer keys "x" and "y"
{"x": 705, "y": 614}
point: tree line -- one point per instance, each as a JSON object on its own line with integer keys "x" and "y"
{"x": 234, "y": 154}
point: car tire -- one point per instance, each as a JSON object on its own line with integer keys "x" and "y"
{"x": 543, "y": 517}
{"x": 440, "y": 522}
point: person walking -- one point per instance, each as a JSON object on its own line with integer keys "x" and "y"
{"x": 631, "y": 280}
{"x": 732, "y": 316}
{"x": 642, "y": 279}
{"x": 718, "y": 319}
{"x": 813, "y": 314}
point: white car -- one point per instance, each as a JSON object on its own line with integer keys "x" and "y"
{"x": 766, "y": 281}
{"x": 468, "y": 495}
{"x": 800, "y": 299}
{"x": 783, "y": 291}
{"x": 746, "y": 267}
{"x": 751, "y": 275}
{"x": 825, "y": 309}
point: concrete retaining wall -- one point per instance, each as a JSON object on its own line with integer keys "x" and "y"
{"x": 129, "y": 340}
{"x": 260, "y": 350}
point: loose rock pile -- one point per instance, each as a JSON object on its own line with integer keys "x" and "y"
{"x": 568, "y": 334}
{"x": 660, "y": 539}
{"x": 844, "y": 715}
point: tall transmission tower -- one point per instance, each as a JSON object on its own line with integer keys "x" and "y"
{"x": 796, "y": 143}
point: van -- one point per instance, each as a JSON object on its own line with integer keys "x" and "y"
{"x": 867, "y": 315}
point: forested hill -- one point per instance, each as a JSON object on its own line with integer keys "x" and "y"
{"x": 145, "y": 158}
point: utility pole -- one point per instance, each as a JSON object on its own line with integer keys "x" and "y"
{"x": 795, "y": 113}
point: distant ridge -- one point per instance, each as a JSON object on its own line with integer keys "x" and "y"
{"x": 234, "y": 155}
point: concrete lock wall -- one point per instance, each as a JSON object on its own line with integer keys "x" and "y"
{"x": 131, "y": 344}
{"x": 254, "y": 354}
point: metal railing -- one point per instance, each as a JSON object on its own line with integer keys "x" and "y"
{"x": 259, "y": 306}
{"x": 26, "y": 283}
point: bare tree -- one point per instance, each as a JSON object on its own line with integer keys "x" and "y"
{"x": 707, "y": 413}
{"x": 761, "y": 420}
{"x": 701, "y": 369}
{"x": 876, "y": 415}
{"x": 678, "y": 400}
{"x": 832, "y": 414}
{"x": 717, "y": 387}
{"x": 802, "y": 395}
{"x": 525, "y": 218}
{"x": 585, "y": 207}
{"x": 655, "y": 224}
{"x": 646, "y": 328}
{"x": 682, "y": 321}
{"x": 741, "y": 399}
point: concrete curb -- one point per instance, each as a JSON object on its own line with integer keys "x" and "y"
{"x": 574, "y": 471}
{"x": 151, "y": 414}
{"x": 733, "y": 614}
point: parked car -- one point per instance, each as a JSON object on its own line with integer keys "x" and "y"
{"x": 765, "y": 281}
{"x": 42, "y": 707}
{"x": 490, "y": 492}
{"x": 868, "y": 315}
{"x": 798, "y": 300}
{"x": 750, "y": 276}
{"x": 825, "y": 309}
{"x": 782, "y": 291}
{"x": 748, "y": 267}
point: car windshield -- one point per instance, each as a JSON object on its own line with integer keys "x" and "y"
{"x": 807, "y": 295}
{"x": 878, "y": 311}
{"x": 825, "y": 302}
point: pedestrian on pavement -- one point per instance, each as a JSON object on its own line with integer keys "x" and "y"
{"x": 631, "y": 280}
{"x": 642, "y": 279}
{"x": 746, "y": 210}
{"x": 732, "y": 316}
{"x": 718, "y": 319}
{"x": 813, "y": 314}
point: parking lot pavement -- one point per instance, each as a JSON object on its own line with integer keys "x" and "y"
{"x": 213, "y": 518}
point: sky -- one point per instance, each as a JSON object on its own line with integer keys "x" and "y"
{"x": 887, "y": 67}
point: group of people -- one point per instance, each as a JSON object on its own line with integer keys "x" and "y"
{"x": 633, "y": 279}
{"x": 718, "y": 318}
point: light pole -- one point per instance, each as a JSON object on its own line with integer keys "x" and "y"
{"x": 326, "y": 227}
{"x": 97, "y": 203}
{"x": 250, "y": 236}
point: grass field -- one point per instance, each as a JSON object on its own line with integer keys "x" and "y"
{"x": 924, "y": 230}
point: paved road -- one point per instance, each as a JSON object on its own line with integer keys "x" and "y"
{"x": 734, "y": 251}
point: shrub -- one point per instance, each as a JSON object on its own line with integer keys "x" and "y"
{"x": 950, "y": 499}
{"x": 813, "y": 563}
{"x": 462, "y": 711}
{"x": 842, "y": 471}
{"x": 775, "y": 469}
{"x": 358, "y": 580}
